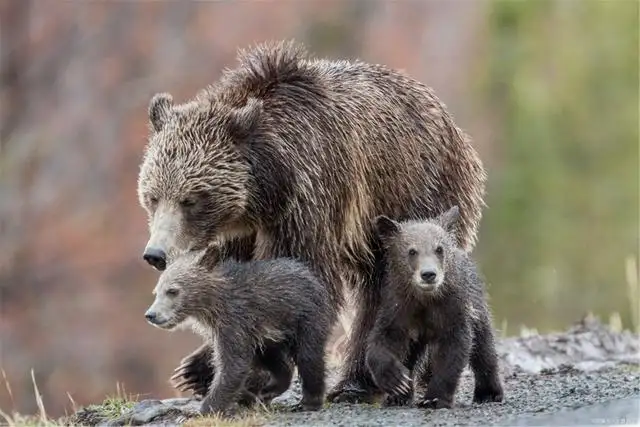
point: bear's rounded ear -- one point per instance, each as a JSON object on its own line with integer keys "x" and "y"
{"x": 449, "y": 219}
{"x": 385, "y": 226}
{"x": 243, "y": 120}
{"x": 160, "y": 110}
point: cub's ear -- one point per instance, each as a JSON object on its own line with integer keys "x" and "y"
{"x": 160, "y": 110}
{"x": 385, "y": 226}
{"x": 210, "y": 257}
{"x": 449, "y": 219}
{"x": 244, "y": 120}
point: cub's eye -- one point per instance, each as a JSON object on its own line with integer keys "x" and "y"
{"x": 153, "y": 200}
{"x": 413, "y": 252}
{"x": 172, "y": 292}
{"x": 439, "y": 250}
{"x": 186, "y": 203}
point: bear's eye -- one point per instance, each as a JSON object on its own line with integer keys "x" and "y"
{"x": 172, "y": 292}
{"x": 413, "y": 252}
{"x": 439, "y": 250}
{"x": 187, "y": 203}
{"x": 153, "y": 201}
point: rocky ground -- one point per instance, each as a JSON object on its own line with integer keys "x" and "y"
{"x": 588, "y": 375}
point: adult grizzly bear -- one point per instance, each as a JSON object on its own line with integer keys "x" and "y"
{"x": 289, "y": 156}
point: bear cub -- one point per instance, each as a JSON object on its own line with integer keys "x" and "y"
{"x": 433, "y": 303}
{"x": 256, "y": 315}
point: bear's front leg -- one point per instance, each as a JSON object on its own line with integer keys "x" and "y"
{"x": 416, "y": 352}
{"x": 233, "y": 358}
{"x": 195, "y": 372}
{"x": 450, "y": 356}
{"x": 356, "y": 384}
{"x": 389, "y": 373}
{"x": 386, "y": 351}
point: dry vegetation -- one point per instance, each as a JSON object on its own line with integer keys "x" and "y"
{"x": 111, "y": 407}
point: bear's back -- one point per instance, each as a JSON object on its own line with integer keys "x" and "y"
{"x": 276, "y": 287}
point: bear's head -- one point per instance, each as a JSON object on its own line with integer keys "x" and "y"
{"x": 418, "y": 252}
{"x": 194, "y": 177}
{"x": 185, "y": 290}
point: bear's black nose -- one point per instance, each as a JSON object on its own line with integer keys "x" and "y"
{"x": 156, "y": 258}
{"x": 428, "y": 276}
{"x": 150, "y": 316}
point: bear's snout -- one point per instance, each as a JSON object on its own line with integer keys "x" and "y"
{"x": 157, "y": 258}
{"x": 428, "y": 276}
{"x": 151, "y": 317}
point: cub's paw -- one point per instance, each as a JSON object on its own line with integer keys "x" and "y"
{"x": 308, "y": 405}
{"x": 392, "y": 377}
{"x": 248, "y": 399}
{"x": 432, "y": 402}
{"x": 350, "y": 392}
{"x": 488, "y": 393}
{"x": 212, "y": 407}
{"x": 398, "y": 400}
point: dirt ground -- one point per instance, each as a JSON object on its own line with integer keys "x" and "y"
{"x": 587, "y": 375}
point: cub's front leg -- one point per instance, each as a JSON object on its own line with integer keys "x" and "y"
{"x": 415, "y": 354}
{"x": 447, "y": 358}
{"x": 233, "y": 357}
{"x": 387, "y": 347}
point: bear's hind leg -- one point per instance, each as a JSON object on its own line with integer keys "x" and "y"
{"x": 484, "y": 362}
{"x": 309, "y": 357}
{"x": 276, "y": 361}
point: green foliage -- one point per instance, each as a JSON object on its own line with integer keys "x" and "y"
{"x": 563, "y": 200}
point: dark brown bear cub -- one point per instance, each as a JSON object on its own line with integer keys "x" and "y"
{"x": 433, "y": 298}
{"x": 254, "y": 315}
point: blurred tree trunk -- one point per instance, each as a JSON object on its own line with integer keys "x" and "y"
{"x": 14, "y": 30}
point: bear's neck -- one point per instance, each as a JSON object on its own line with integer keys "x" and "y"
{"x": 271, "y": 183}
{"x": 212, "y": 300}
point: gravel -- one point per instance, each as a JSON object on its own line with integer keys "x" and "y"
{"x": 588, "y": 375}
{"x": 526, "y": 395}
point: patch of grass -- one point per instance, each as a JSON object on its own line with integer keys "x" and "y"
{"x": 116, "y": 405}
{"x": 112, "y": 407}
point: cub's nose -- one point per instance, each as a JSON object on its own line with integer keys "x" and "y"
{"x": 156, "y": 258}
{"x": 150, "y": 316}
{"x": 428, "y": 276}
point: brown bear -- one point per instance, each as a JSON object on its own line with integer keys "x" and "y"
{"x": 288, "y": 155}
{"x": 433, "y": 297}
{"x": 255, "y": 314}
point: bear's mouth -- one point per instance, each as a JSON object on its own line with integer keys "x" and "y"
{"x": 427, "y": 287}
{"x": 167, "y": 324}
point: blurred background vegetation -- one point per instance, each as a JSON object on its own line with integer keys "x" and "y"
{"x": 548, "y": 89}
{"x": 563, "y": 204}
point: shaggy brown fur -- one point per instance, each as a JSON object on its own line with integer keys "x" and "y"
{"x": 292, "y": 156}
{"x": 433, "y": 296}
{"x": 253, "y": 315}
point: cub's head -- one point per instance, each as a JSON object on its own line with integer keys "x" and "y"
{"x": 418, "y": 251}
{"x": 193, "y": 180}
{"x": 183, "y": 290}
